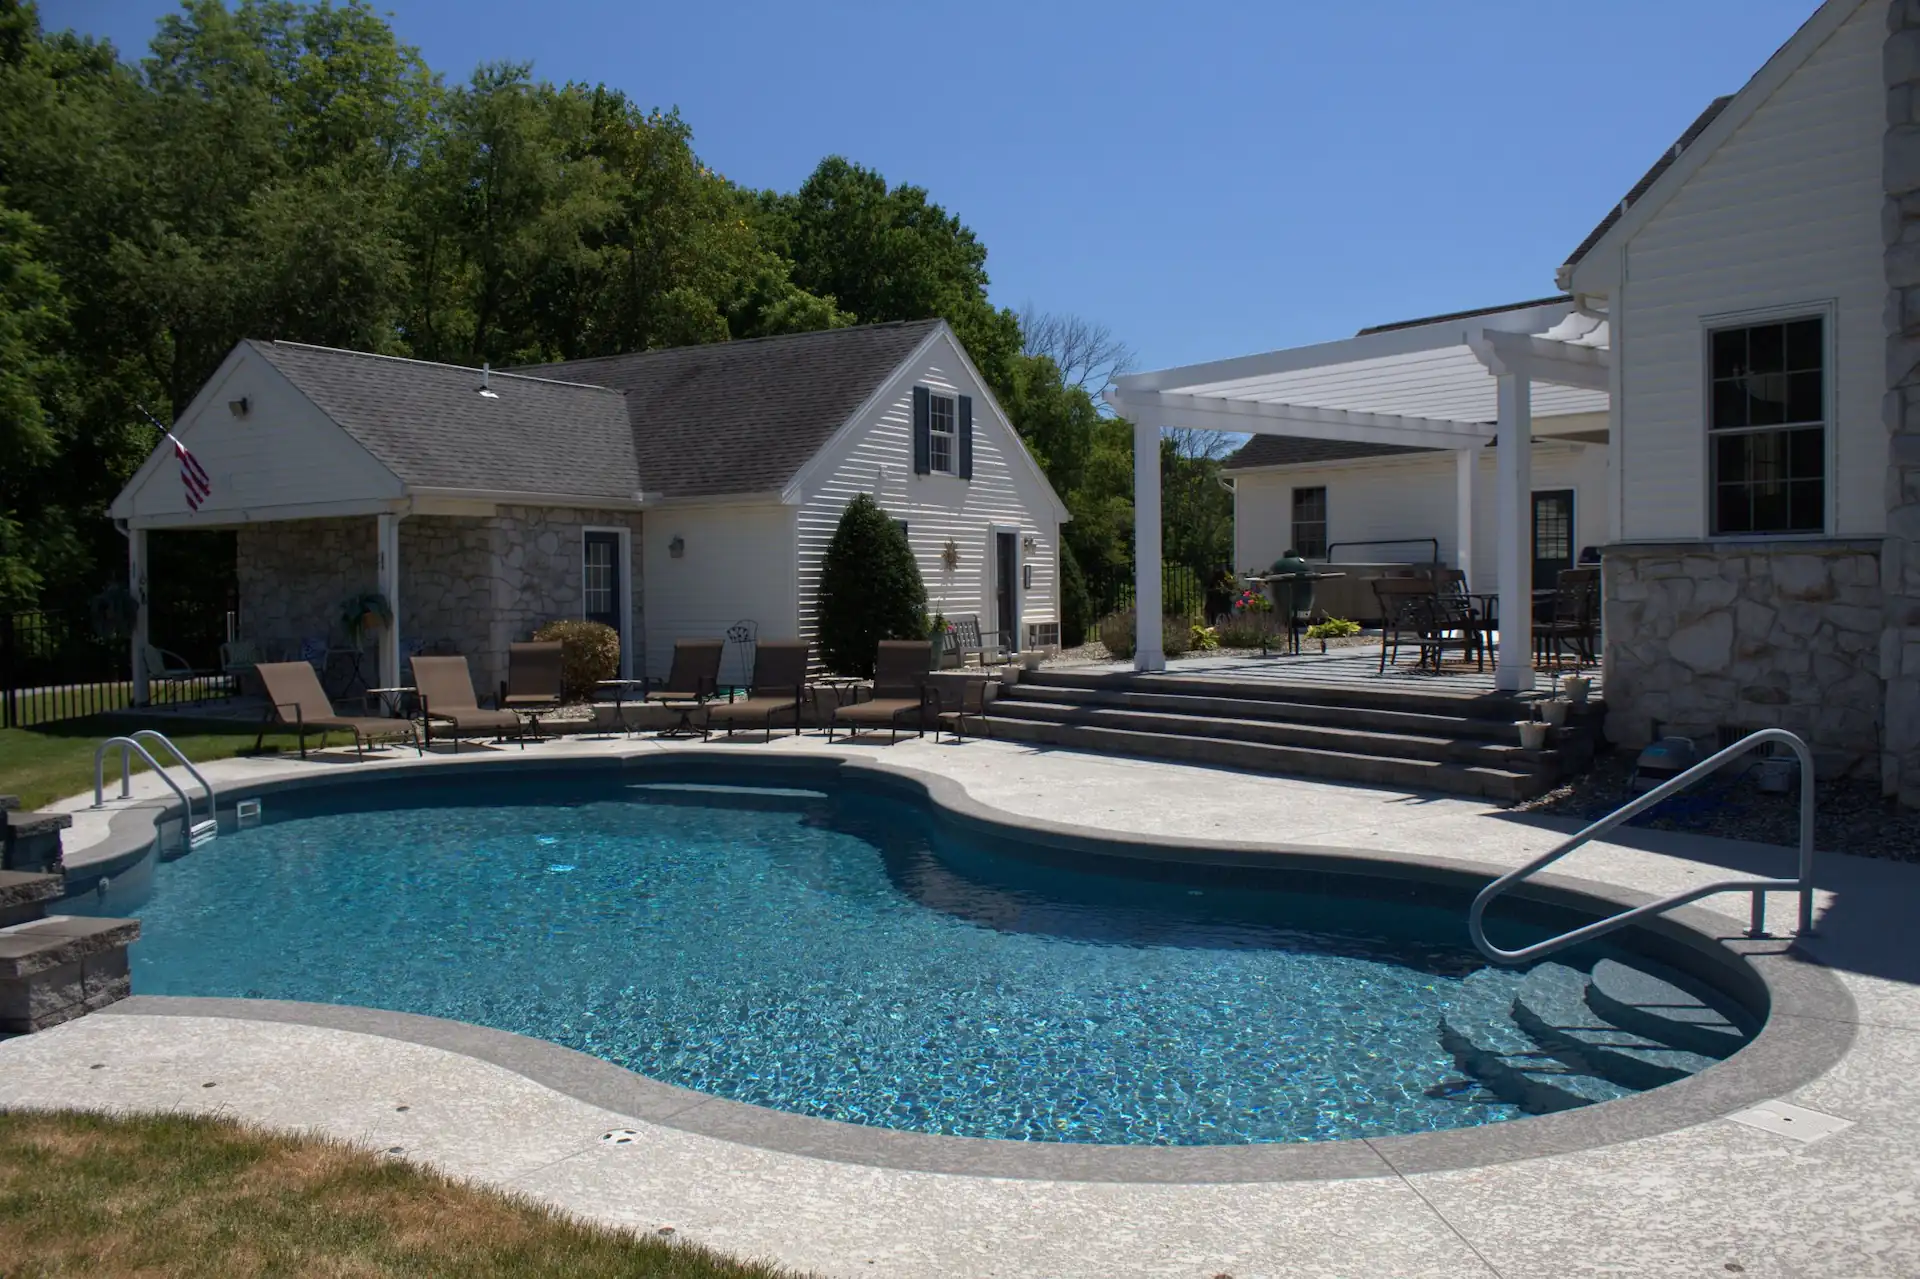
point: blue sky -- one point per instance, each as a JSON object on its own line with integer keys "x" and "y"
{"x": 1208, "y": 180}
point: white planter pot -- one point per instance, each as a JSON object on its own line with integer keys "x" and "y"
{"x": 1554, "y": 712}
{"x": 1576, "y": 688}
{"x": 1009, "y": 675}
{"x": 1533, "y": 734}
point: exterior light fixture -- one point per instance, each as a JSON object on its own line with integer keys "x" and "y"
{"x": 238, "y": 407}
{"x": 677, "y": 547}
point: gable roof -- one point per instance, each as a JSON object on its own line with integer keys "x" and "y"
{"x": 1715, "y": 125}
{"x": 430, "y": 426}
{"x": 1288, "y": 450}
{"x": 744, "y": 416}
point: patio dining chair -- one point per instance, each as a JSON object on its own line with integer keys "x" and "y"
{"x": 900, "y": 688}
{"x": 1572, "y": 621}
{"x": 778, "y": 688}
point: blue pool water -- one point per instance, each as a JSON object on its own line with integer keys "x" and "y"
{"x": 843, "y": 956}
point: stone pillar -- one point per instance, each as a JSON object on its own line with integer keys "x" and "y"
{"x": 1900, "y": 554}
{"x": 1148, "y": 646}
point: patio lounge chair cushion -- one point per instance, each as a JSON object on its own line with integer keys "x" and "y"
{"x": 533, "y": 676}
{"x": 446, "y": 694}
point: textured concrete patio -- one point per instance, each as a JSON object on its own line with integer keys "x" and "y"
{"x": 1746, "y": 1196}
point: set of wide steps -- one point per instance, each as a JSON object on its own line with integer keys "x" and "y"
{"x": 1396, "y": 736}
{"x": 1554, "y": 1037}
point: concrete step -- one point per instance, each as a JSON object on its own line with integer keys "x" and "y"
{"x": 1282, "y": 710}
{"x": 1488, "y": 781}
{"x": 1393, "y": 695}
{"x": 1662, "y": 1008}
{"x": 1431, "y": 747}
{"x": 1478, "y": 1029}
{"x": 1551, "y": 1006}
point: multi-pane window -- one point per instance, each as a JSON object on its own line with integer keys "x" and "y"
{"x": 1767, "y": 427}
{"x": 1310, "y": 523}
{"x": 940, "y": 433}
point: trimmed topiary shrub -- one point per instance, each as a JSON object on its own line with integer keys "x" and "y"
{"x": 1076, "y": 602}
{"x": 589, "y": 653}
{"x": 870, "y": 589}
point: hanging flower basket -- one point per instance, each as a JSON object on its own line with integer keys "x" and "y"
{"x": 364, "y": 613}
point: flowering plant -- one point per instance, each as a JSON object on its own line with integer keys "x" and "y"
{"x": 1252, "y": 601}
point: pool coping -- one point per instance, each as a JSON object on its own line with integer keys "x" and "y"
{"x": 1809, "y": 1025}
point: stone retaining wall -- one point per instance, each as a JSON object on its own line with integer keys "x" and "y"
{"x": 1705, "y": 636}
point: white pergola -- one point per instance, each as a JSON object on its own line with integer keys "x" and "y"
{"x": 1451, "y": 383}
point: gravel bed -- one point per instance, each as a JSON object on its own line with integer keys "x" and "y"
{"x": 1851, "y": 816}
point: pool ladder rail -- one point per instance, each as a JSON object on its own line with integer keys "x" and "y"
{"x": 1802, "y": 884}
{"x": 198, "y": 832}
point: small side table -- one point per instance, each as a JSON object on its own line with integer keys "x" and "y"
{"x": 616, "y": 722}
{"x": 845, "y": 690}
{"x": 393, "y": 701}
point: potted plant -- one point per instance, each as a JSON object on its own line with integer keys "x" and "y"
{"x": 364, "y": 613}
{"x": 1577, "y": 688}
{"x": 114, "y": 612}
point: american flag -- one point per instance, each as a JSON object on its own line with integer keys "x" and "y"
{"x": 193, "y": 476}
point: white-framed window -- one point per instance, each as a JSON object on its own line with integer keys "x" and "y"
{"x": 1767, "y": 426}
{"x": 1310, "y": 523}
{"x": 942, "y": 450}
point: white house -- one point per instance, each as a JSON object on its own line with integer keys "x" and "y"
{"x": 1761, "y": 569}
{"x": 671, "y": 494}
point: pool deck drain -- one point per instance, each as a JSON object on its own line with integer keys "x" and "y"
{"x": 1715, "y": 1196}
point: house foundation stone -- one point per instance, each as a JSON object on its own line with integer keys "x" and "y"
{"x": 1899, "y": 649}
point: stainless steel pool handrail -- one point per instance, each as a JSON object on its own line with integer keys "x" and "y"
{"x": 1757, "y": 926}
{"x": 128, "y": 747}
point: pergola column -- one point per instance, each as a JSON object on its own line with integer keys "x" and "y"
{"x": 1514, "y": 671}
{"x": 1466, "y": 465}
{"x": 1147, "y": 652}
{"x": 388, "y": 538}
{"x": 137, "y": 583}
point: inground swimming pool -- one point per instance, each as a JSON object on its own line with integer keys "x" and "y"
{"x": 840, "y": 951}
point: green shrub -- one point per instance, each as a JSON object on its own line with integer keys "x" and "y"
{"x": 1076, "y": 602}
{"x": 1117, "y": 633}
{"x": 1205, "y": 638}
{"x": 589, "y": 653}
{"x": 1333, "y": 628}
{"x": 870, "y": 589}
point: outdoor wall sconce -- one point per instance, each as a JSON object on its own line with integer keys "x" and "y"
{"x": 1029, "y": 543}
{"x": 950, "y": 555}
{"x": 238, "y": 407}
{"x": 677, "y": 547}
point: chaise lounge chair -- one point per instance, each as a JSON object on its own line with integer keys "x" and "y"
{"x": 445, "y": 686}
{"x": 779, "y": 687}
{"x": 900, "y": 688}
{"x": 295, "y": 699}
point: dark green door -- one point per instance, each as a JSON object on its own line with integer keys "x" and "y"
{"x": 600, "y": 584}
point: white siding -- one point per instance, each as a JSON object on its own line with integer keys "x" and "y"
{"x": 877, "y": 458}
{"x": 284, "y": 452}
{"x": 1785, "y": 213}
{"x": 1416, "y": 496}
{"x": 736, "y": 565}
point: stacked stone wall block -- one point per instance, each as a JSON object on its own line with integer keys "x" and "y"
{"x": 1900, "y": 560}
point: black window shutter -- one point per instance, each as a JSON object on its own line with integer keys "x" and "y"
{"x": 966, "y": 437}
{"x": 922, "y": 431}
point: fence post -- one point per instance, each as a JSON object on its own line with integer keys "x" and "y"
{"x": 11, "y": 717}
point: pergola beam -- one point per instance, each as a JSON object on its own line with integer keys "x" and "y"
{"x": 1540, "y": 359}
{"x": 1211, "y": 413}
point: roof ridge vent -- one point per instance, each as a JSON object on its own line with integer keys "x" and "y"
{"x": 486, "y": 382}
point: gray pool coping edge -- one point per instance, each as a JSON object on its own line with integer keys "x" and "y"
{"x": 1810, "y": 1024}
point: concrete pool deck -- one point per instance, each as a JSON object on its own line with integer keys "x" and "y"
{"x": 1715, "y": 1197}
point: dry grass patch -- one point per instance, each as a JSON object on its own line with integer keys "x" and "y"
{"x": 152, "y": 1195}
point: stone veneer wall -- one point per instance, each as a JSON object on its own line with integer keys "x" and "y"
{"x": 293, "y": 576}
{"x": 1900, "y": 563}
{"x": 473, "y": 584}
{"x": 1701, "y": 636}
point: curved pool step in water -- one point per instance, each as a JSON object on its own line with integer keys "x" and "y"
{"x": 1660, "y": 1007}
{"x": 1551, "y": 1007}
{"x": 1478, "y": 1028}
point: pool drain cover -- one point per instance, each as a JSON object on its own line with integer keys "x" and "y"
{"x": 1784, "y": 1119}
{"x": 620, "y": 1137}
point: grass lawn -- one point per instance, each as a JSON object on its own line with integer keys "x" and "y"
{"x": 52, "y": 761}
{"x": 85, "y": 1194}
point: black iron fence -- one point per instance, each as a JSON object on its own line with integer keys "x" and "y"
{"x": 1182, "y": 593}
{"x": 57, "y": 665}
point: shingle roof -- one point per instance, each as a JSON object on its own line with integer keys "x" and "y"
{"x": 1287, "y": 450}
{"x": 429, "y": 424}
{"x": 744, "y": 416}
{"x": 1650, "y": 177}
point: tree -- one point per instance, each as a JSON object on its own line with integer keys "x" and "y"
{"x": 870, "y": 589}
{"x": 1076, "y": 605}
{"x": 1086, "y": 353}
